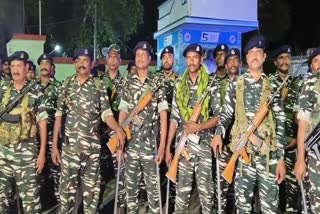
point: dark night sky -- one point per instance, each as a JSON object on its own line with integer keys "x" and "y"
{"x": 303, "y": 32}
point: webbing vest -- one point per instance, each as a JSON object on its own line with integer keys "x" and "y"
{"x": 13, "y": 133}
{"x": 266, "y": 131}
{"x": 315, "y": 114}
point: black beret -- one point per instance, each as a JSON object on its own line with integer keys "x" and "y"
{"x": 194, "y": 47}
{"x": 101, "y": 67}
{"x": 4, "y": 59}
{"x": 220, "y": 47}
{"x": 232, "y": 52}
{"x": 31, "y": 66}
{"x": 256, "y": 42}
{"x": 130, "y": 64}
{"x": 168, "y": 49}
{"x": 85, "y": 51}
{"x": 143, "y": 45}
{"x": 19, "y": 55}
{"x": 315, "y": 53}
{"x": 281, "y": 50}
{"x": 46, "y": 57}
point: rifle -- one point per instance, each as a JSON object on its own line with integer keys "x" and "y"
{"x": 10, "y": 118}
{"x": 117, "y": 186}
{"x": 228, "y": 172}
{"x": 285, "y": 89}
{"x": 313, "y": 140}
{"x": 146, "y": 97}
{"x": 158, "y": 177}
{"x": 168, "y": 195}
{"x": 114, "y": 90}
{"x": 303, "y": 195}
{"x": 180, "y": 149}
{"x": 218, "y": 183}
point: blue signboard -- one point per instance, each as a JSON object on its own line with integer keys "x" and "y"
{"x": 211, "y": 37}
{"x": 168, "y": 39}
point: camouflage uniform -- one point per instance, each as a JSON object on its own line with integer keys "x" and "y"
{"x": 309, "y": 111}
{"x": 5, "y": 81}
{"x": 82, "y": 105}
{"x": 262, "y": 167}
{"x": 290, "y": 185}
{"x": 200, "y": 164}
{"x": 227, "y": 190}
{"x": 117, "y": 82}
{"x": 17, "y": 161}
{"x": 140, "y": 151}
{"x": 51, "y": 172}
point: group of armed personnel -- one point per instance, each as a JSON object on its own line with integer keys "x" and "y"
{"x": 228, "y": 141}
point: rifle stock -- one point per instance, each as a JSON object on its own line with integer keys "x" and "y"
{"x": 113, "y": 142}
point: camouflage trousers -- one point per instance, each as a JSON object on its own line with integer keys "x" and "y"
{"x": 17, "y": 168}
{"x": 289, "y": 188}
{"x": 314, "y": 182}
{"x": 138, "y": 164}
{"x": 200, "y": 167}
{"x": 121, "y": 190}
{"x": 227, "y": 190}
{"x": 246, "y": 178}
{"x": 51, "y": 172}
{"x": 79, "y": 169}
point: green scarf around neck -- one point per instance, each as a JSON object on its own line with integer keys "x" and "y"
{"x": 183, "y": 94}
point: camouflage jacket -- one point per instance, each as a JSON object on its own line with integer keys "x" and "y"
{"x": 133, "y": 91}
{"x": 310, "y": 101}
{"x": 252, "y": 99}
{"x": 110, "y": 84}
{"x": 223, "y": 85}
{"x": 50, "y": 97}
{"x": 4, "y": 81}
{"x": 214, "y": 108}
{"x": 168, "y": 87}
{"x": 83, "y": 105}
{"x": 289, "y": 103}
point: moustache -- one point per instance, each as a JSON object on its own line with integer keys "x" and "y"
{"x": 82, "y": 67}
{"x": 44, "y": 69}
{"x": 16, "y": 74}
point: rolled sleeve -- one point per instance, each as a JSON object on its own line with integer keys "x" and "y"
{"x": 105, "y": 114}
{"x": 42, "y": 116}
{"x": 124, "y": 106}
{"x": 163, "y": 106}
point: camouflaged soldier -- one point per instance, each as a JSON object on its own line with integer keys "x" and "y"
{"x": 243, "y": 98}
{"x": 113, "y": 82}
{"x": 289, "y": 95}
{"x": 232, "y": 63}
{"x": 189, "y": 88}
{"x": 140, "y": 158}
{"x": 21, "y": 157}
{"x": 219, "y": 55}
{"x": 31, "y": 74}
{"x": 309, "y": 117}
{"x": 83, "y": 102}
{"x": 50, "y": 88}
{"x": 6, "y": 76}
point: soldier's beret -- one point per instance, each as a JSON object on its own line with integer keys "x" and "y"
{"x": 193, "y": 48}
{"x": 232, "y": 52}
{"x": 130, "y": 64}
{"x": 45, "y": 57}
{"x": 101, "y": 67}
{"x": 168, "y": 49}
{"x": 315, "y": 53}
{"x": 256, "y": 42}
{"x": 31, "y": 65}
{"x": 84, "y": 51}
{"x": 142, "y": 45}
{"x": 220, "y": 47}
{"x": 4, "y": 59}
{"x": 281, "y": 50}
{"x": 19, "y": 55}
{"x": 114, "y": 47}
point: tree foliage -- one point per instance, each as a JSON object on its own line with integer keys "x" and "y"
{"x": 117, "y": 21}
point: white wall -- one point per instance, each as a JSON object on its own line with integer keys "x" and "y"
{"x": 244, "y": 10}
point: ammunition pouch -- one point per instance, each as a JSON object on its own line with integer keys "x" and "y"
{"x": 13, "y": 133}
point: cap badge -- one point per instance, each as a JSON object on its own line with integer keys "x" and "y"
{"x": 85, "y": 51}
